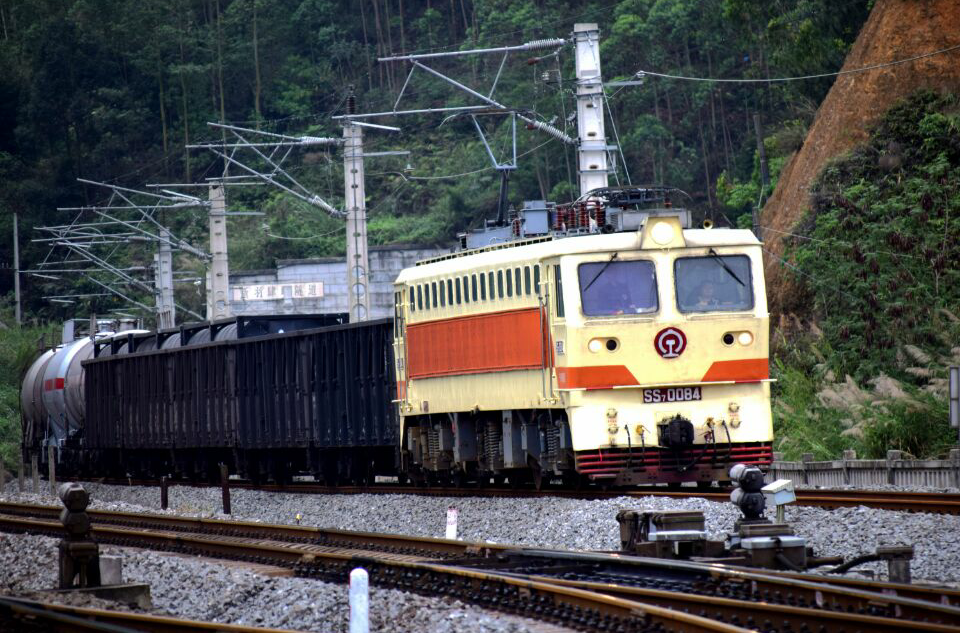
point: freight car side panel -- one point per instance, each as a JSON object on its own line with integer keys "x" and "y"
{"x": 325, "y": 388}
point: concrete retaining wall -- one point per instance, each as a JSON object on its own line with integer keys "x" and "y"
{"x": 850, "y": 471}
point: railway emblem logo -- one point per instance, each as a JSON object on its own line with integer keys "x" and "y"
{"x": 670, "y": 342}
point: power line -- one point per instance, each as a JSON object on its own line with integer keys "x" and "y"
{"x": 642, "y": 73}
{"x": 836, "y": 242}
{"x": 482, "y": 169}
{"x": 306, "y": 237}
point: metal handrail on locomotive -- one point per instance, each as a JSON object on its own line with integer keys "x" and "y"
{"x": 617, "y": 346}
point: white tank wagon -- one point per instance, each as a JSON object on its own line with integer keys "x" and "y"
{"x": 52, "y": 396}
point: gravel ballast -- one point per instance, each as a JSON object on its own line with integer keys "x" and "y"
{"x": 207, "y": 591}
{"x": 550, "y": 522}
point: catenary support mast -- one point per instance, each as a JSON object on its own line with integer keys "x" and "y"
{"x": 218, "y": 282}
{"x": 163, "y": 275}
{"x": 356, "y": 208}
{"x": 592, "y": 157}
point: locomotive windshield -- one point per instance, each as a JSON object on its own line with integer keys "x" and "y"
{"x": 716, "y": 283}
{"x": 617, "y": 287}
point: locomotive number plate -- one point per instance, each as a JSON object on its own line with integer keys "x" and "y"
{"x": 671, "y": 394}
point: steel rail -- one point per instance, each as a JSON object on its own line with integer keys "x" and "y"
{"x": 32, "y": 615}
{"x": 721, "y": 592}
{"x": 925, "y": 502}
{"x": 422, "y": 546}
{"x": 762, "y": 615}
{"x": 930, "y": 593}
{"x": 720, "y": 581}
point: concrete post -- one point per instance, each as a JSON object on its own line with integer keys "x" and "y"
{"x": 805, "y": 458}
{"x": 52, "y": 470}
{"x": 358, "y": 264}
{"x": 955, "y": 466}
{"x": 20, "y": 474}
{"x": 163, "y": 280}
{"x": 218, "y": 281}
{"x": 225, "y": 488}
{"x": 35, "y": 471}
{"x": 848, "y": 456}
{"x": 164, "y": 493}
{"x": 892, "y": 458}
{"x": 359, "y": 601}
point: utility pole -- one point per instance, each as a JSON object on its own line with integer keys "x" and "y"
{"x": 16, "y": 268}
{"x": 163, "y": 276}
{"x": 764, "y": 175}
{"x": 218, "y": 280}
{"x": 356, "y": 208}
{"x": 592, "y": 138}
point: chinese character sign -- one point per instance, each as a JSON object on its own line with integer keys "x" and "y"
{"x": 275, "y": 292}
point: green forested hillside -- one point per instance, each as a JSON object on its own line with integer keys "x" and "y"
{"x": 114, "y": 90}
{"x": 875, "y": 260}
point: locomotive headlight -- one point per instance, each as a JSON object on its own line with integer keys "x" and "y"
{"x": 595, "y": 345}
{"x": 662, "y": 233}
{"x": 745, "y": 338}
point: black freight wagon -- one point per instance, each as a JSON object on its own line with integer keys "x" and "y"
{"x": 316, "y": 401}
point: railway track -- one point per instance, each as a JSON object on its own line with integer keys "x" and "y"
{"x": 929, "y": 502}
{"x": 584, "y": 591}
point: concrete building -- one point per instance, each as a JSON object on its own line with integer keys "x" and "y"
{"x": 319, "y": 285}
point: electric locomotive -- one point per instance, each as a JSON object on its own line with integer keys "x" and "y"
{"x": 617, "y": 346}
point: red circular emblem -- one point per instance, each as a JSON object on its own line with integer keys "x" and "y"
{"x": 670, "y": 342}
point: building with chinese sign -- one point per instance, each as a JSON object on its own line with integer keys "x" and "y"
{"x": 319, "y": 285}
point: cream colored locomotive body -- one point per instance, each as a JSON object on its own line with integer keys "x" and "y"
{"x": 625, "y": 357}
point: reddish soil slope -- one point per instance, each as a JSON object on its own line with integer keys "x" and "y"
{"x": 895, "y": 30}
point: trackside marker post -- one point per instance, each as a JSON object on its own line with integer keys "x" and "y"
{"x": 452, "y": 523}
{"x": 164, "y": 493}
{"x": 359, "y": 601}
{"x": 225, "y": 488}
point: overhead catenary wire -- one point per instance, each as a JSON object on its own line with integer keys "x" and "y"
{"x": 797, "y": 270}
{"x": 649, "y": 73}
{"x": 482, "y": 169}
{"x": 836, "y": 242}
